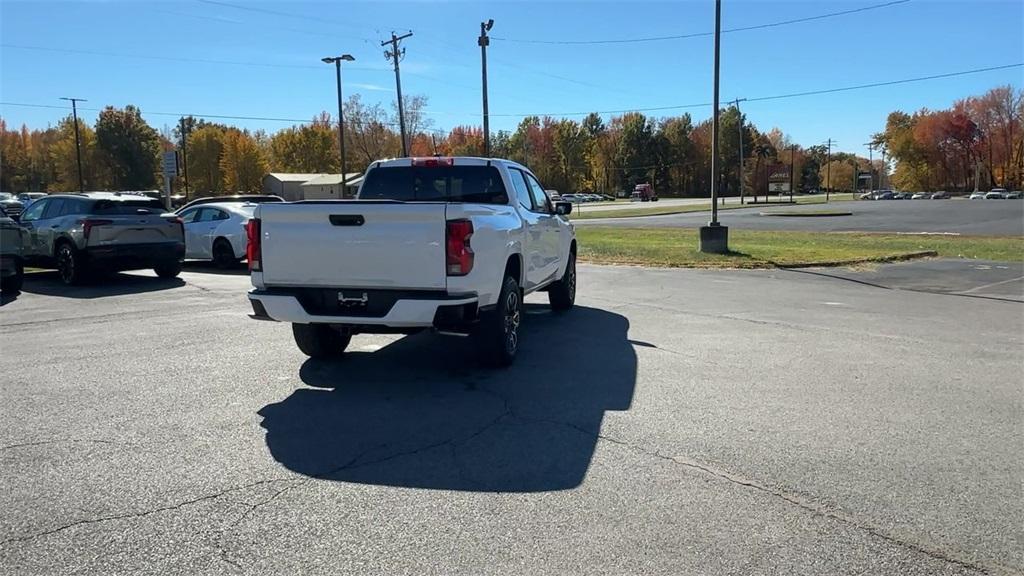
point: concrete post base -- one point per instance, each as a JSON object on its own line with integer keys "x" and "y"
{"x": 714, "y": 239}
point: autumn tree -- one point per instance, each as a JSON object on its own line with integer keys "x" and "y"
{"x": 309, "y": 148}
{"x": 63, "y": 156}
{"x": 131, "y": 147}
{"x": 242, "y": 163}
{"x": 205, "y": 147}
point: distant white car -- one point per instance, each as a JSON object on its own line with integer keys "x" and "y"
{"x": 941, "y": 195}
{"x": 216, "y": 231}
{"x": 920, "y": 196}
{"x": 996, "y": 194}
{"x": 977, "y": 196}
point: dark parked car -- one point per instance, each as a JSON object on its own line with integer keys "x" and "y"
{"x": 11, "y": 205}
{"x": 249, "y": 198}
{"x": 12, "y": 268}
{"x": 80, "y": 233}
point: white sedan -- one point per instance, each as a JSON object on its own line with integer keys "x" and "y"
{"x": 216, "y": 231}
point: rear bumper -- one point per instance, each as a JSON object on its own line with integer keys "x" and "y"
{"x": 128, "y": 256}
{"x": 420, "y": 311}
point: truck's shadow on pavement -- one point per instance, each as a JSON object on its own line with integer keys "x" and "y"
{"x": 422, "y": 413}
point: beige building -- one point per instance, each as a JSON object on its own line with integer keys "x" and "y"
{"x": 319, "y": 186}
{"x": 328, "y": 186}
{"x": 287, "y": 186}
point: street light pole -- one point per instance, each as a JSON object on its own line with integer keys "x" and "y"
{"x": 78, "y": 141}
{"x": 484, "y": 42}
{"x": 714, "y": 237}
{"x": 337, "y": 60}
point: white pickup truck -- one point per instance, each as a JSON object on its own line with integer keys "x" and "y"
{"x": 451, "y": 244}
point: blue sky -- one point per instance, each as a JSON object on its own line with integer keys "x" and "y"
{"x": 911, "y": 39}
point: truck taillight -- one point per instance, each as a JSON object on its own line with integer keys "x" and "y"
{"x": 458, "y": 252}
{"x": 89, "y": 223}
{"x": 252, "y": 248}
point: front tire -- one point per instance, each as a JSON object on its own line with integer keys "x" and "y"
{"x": 320, "y": 340}
{"x": 70, "y": 265}
{"x": 562, "y": 294}
{"x": 499, "y": 328}
{"x": 168, "y": 269}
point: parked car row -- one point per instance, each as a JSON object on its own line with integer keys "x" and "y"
{"x": 997, "y": 194}
{"x": 585, "y": 198}
{"x": 82, "y": 234}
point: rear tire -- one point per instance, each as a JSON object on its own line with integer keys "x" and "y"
{"x": 224, "y": 254}
{"x": 498, "y": 331}
{"x": 168, "y": 269}
{"x": 562, "y": 294}
{"x": 70, "y": 265}
{"x": 12, "y": 284}
{"x": 320, "y": 340}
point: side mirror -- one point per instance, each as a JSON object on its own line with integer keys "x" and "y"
{"x": 563, "y": 208}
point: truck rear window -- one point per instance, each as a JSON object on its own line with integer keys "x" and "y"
{"x": 114, "y": 207}
{"x": 469, "y": 184}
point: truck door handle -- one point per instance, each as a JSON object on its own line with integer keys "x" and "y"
{"x": 347, "y": 219}
{"x": 55, "y": 226}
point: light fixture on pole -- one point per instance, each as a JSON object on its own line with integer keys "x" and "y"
{"x": 337, "y": 60}
{"x": 78, "y": 142}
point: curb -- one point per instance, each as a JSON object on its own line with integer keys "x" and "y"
{"x": 878, "y": 260}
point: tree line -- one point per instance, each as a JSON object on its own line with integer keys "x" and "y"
{"x": 121, "y": 151}
{"x": 978, "y": 141}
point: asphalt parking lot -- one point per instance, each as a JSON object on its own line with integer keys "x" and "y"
{"x": 675, "y": 422}
{"x": 967, "y": 217}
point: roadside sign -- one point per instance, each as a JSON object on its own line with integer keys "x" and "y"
{"x": 778, "y": 187}
{"x": 170, "y": 164}
{"x": 778, "y": 173}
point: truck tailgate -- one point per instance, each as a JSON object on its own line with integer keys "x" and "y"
{"x": 357, "y": 244}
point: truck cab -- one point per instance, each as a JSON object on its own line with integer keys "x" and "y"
{"x": 643, "y": 193}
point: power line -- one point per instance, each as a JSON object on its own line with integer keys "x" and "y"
{"x": 219, "y": 116}
{"x": 217, "y": 62}
{"x": 623, "y": 111}
{"x": 701, "y": 34}
{"x": 780, "y": 96}
{"x": 890, "y": 83}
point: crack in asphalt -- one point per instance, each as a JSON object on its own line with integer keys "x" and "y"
{"x": 456, "y": 441}
{"x": 790, "y": 498}
{"x": 68, "y": 441}
{"x": 141, "y": 514}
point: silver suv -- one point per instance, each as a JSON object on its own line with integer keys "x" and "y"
{"x": 81, "y": 233}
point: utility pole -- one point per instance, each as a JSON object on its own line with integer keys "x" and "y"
{"x": 736, "y": 103}
{"x": 78, "y": 141}
{"x": 885, "y": 171}
{"x": 337, "y": 60}
{"x": 792, "y": 168}
{"x": 871, "y": 165}
{"x": 484, "y": 42}
{"x": 395, "y": 55}
{"x": 184, "y": 154}
{"x": 714, "y": 237}
{"x": 828, "y": 171}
